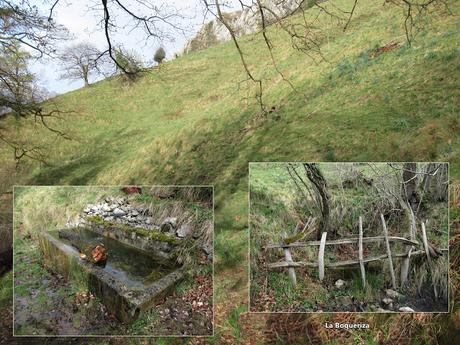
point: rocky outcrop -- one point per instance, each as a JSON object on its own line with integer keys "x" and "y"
{"x": 242, "y": 22}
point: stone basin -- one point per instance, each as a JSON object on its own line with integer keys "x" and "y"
{"x": 129, "y": 284}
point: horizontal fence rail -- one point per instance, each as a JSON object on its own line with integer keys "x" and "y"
{"x": 410, "y": 245}
{"x": 350, "y": 240}
{"x": 340, "y": 263}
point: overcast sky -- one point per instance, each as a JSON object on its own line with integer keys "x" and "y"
{"x": 81, "y": 18}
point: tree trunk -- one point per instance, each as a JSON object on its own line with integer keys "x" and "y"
{"x": 316, "y": 177}
{"x": 91, "y": 250}
{"x": 85, "y": 78}
{"x": 409, "y": 186}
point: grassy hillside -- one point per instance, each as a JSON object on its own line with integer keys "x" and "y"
{"x": 192, "y": 121}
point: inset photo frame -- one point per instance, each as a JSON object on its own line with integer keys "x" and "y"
{"x": 349, "y": 237}
{"x": 113, "y": 261}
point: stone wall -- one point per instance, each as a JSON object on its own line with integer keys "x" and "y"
{"x": 135, "y": 225}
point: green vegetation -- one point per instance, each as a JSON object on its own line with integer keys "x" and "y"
{"x": 188, "y": 122}
{"x": 233, "y": 322}
{"x": 278, "y": 206}
{"x": 6, "y": 289}
{"x": 41, "y": 209}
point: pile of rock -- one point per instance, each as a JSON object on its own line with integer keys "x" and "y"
{"x": 392, "y": 300}
{"x": 120, "y": 210}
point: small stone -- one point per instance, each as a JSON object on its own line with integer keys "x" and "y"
{"x": 109, "y": 218}
{"x": 393, "y": 294}
{"x": 118, "y": 212}
{"x": 171, "y": 220}
{"x": 407, "y": 310}
{"x": 134, "y": 213}
{"x": 339, "y": 283}
{"x": 169, "y": 225}
{"x": 184, "y": 231}
{"x": 207, "y": 249}
{"x": 387, "y": 301}
{"x": 105, "y": 208}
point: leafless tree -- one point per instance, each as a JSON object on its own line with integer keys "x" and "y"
{"x": 316, "y": 178}
{"x": 312, "y": 185}
{"x": 81, "y": 61}
{"x": 159, "y": 20}
{"x": 23, "y": 26}
{"x": 23, "y": 23}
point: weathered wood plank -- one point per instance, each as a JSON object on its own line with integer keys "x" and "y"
{"x": 390, "y": 259}
{"x": 281, "y": 264}
{"x": 405, "y": 265}
{"x": 360, "y": 253}
{"x": 288, "y": 258}
{"x": 321, "y": 256}
{"x": 427, "y": 251}
{"x": 351, "y": 240}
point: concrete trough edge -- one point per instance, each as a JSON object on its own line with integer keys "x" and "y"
{"x": 127, "y": 304}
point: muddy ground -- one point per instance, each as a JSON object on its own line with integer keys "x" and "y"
{"x": 48, "y": 304}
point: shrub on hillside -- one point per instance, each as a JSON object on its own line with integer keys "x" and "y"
{"x": 159, "y": 56}
{"x": 128, "y": 64}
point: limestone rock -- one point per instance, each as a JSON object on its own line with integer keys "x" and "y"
{"x": 387, "y": 301}
{"x": 406, "y": 310}
{"x": 339, "y": 283}
{"x": 106, "y": 208}
{"x": 118, "y": 212}
{"x": 184, "y": 231}
{"x": 169, "y": 224}
{"x": 393, "y": 294}
{"x": 243, "y": 22}
{"x": 207, "y": 249}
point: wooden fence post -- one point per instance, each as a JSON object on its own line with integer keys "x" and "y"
{"x": 405, "y": 265}
{"x": 288, "y": 258}
{"x": 360, "y": 252}
{"x": 321, "y": 255}
{"x": 427, "y": 251}
{"x": 390, "y": 260}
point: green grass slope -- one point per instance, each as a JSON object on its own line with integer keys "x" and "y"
{"x": 192, "y": 121}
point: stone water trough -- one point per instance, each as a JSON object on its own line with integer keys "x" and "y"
{"x": 139, "y": 269}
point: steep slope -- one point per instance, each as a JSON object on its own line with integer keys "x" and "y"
{"x": 194, "y": 120}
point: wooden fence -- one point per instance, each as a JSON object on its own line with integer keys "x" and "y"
{"x": 410, "y": 244}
